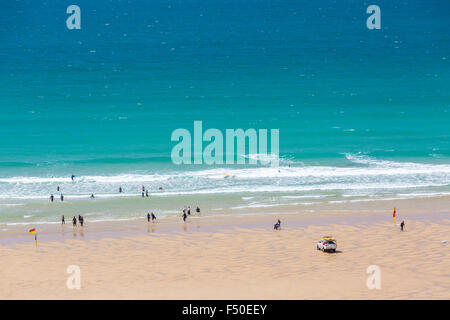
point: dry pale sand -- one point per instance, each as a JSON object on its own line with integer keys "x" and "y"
{"x": 243, "y": 262}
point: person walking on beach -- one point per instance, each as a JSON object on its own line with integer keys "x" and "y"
{"x": 197, "y": 210}
{"x": 74, "y": 221}
{"x": 52, "y": 198}
{"x": 81, "y": 219}
{"x": 184, "y": 216}
{"x": 277, "y": 225}
{"x": 63, "y": 221}
{"x": 62, "y": 197}
{"x": 153, "y": 217}
{"x": 148, "y": 217}
{"x": 402, "y": 225}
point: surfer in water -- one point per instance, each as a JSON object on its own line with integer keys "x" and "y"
{"x": 72, "y": 177}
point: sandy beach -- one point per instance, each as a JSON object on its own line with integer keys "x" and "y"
{"x": 234, "y": 257}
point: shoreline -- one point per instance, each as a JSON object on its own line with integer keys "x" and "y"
{"x": 295, "y": 216}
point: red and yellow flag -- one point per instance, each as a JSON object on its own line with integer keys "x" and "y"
{"x": 33, "y": 231}
{"x": 393, "y": 215}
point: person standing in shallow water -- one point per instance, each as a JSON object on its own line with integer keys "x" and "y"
{"x": 62, "y": 197}
{"x": 52, "y": 198}
{"x": 63, "y": 221}
{"x": 198, "y": 210}
{"x": 146, "y": 193}
{"x": 148, "y": 217}
{"x": 153, "y": 217}
{"x": 74, "y": 221}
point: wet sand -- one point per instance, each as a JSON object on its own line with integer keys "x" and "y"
{"x": 233, "y": 257}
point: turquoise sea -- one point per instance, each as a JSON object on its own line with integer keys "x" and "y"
{"x": 363, "y": 114}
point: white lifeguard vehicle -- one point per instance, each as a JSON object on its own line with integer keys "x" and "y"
{"x": 327, "y": 244}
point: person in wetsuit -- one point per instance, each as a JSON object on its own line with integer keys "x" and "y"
{"x": 74, "y": 221}
{"x": 277, "y": 225}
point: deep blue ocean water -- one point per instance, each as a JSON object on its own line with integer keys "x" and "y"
{"x": 361, "y": 113}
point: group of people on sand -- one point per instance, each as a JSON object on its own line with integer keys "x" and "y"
{"x": 187, "y": 212}
{"x": 74, "y": 220}
{"x": 151, "y": 216}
